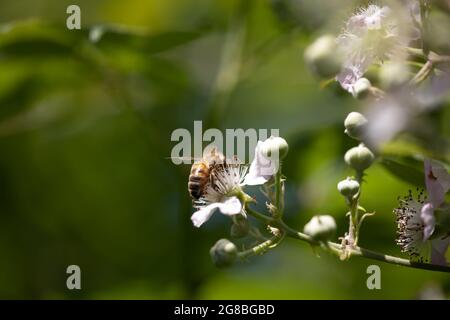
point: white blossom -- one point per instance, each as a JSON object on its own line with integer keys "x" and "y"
{"x": 372, "y": 35}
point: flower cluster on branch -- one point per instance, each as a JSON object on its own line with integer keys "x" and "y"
{"x": 380, "y": 36}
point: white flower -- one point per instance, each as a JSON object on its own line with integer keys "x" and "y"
{"x": 222, "y": 193}
{"x": 224, "y": 190}
{"x": 410, "y": 226}
{"x": 373, "y": 34}
{"x": 416, "y": 217}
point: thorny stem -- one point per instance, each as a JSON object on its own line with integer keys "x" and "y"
{"x": 337, "y": 249}
{"x": 354, "y": 223}
{"x": 423, "y": 73}
{"x": 261, "y": 248}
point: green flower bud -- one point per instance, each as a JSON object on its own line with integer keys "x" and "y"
{"x": 359, "y": 158}
{"x": 275, "y": 146}
{"x": 361, "y": 88}
{"x": 321, "y": 57}
{"x": 320, "y": 228}
{"x": 348, "y": 188}
{"x": 223, "y": 253}
{"x": 355, "y": 125}
{"x": 393, "y": 75}
{"x": 239, "y": 228}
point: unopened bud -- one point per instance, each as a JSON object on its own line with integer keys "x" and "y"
{"x": 361, "y": 88}
{"x": 223, "y": 253}
{"x": 322, "y": 57}
{"x": 320, "y": 228}
{"x": 274, "y": 146}
{"x": 239, "y": 228}
{"x": 355, "y": 125}
{"x": 348, "y": 188}
{"x": 359, "y": 158}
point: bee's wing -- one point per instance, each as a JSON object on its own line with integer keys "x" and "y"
{"x": 183, "y": 158}
{"x": 212, "y": 154}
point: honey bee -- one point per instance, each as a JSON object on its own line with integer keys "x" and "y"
{"x": 202, "y": 172}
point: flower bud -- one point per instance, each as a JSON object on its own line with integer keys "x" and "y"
{"x": 322, "y": 58}
{"x": 348, "y": 188}
{"x": 361, "y": 88}
{"x": 359, "y": 158}
{"x": 223, "y": 253}
{"x": 355, "y": 125}
{"x": 274, "y": 146}
{"x": 320, "y": 228}
{"x": 239, "y": 228}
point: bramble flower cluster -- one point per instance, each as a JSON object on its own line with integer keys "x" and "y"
{"x": 375, "y": 37}
{"x": 379, "y": 37}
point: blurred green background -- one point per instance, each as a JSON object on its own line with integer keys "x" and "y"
{"x": 85, "y": 124}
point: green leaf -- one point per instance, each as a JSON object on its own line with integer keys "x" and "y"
{"x": 139, "y": 39}
{"x": 33, "y": 37}
{"x": 407, "y": 169}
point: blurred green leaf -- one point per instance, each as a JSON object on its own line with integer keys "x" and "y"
{"x": 34, "y": 37}
{"x": 405, "y": 168}
{"x": 139, "y": 39}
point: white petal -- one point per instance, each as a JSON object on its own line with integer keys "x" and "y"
{"x": 231, "y": 206}
{"x": 349, "y": 75}
{"x": 441, "y": 174}
{"x": 254, "y": 180}
{"x": 261, "y": 168}
{"x": 438, "y": 250}
{"x": 437, "y": 181}
{"x": 428, "y": 220}
{"x": 201, "y": 216}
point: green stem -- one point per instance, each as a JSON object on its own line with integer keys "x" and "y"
{"x": 278, "y": 191}
{"x": 337, "y": 248}
{"x": 431, "y": 56}
{"x": 266, "y": 219}
{"x": 424, "y": 9}
{"x": 260, "y": 248}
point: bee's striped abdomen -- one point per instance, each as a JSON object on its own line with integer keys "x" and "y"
{"x": 198, "y": 179}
